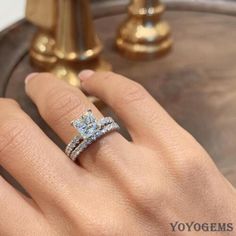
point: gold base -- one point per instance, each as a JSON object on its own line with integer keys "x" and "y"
{"x": 141, "y": 52}
{"x": 68, "y": 71}
{"x": 144, "y": 35}
{"x": 138, "y": 41}
{"x": 42, "y": 50}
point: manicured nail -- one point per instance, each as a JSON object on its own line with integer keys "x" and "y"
{"x": 29, "y": 77}
{"x": 85, "y": 74}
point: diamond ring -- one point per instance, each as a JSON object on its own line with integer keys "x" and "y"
{"x": 90, "y": 129}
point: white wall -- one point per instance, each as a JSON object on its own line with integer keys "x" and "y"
{"x": 11, "y": 11}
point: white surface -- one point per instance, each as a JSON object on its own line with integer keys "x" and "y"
{"x": 11, "y": 11}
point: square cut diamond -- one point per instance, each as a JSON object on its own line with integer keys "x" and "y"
{"x": 87, "y": 125}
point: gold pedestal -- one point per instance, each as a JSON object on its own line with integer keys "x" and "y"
{"x": 77, "y": 45}
{"x": 144, "y": 35}
{"x": 42, "y": 13}
{"x": 68, "y": 71}
{"x": 66, "y": 42}
{"x": 42, "y": 50}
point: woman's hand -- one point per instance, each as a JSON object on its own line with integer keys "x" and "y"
{"x": 133, "y": 188}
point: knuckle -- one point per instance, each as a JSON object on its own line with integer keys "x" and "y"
{"x": 12, "y": 133}
{"x": 193, "y": 167}
{"x": 131, "y": 92}
{"x": 106, "y": 75}
{"x": 61, "y": 103}
{"x": 195, "y": 170}
{"x": 153, "y": 117}
{"x": 147, "y": 195}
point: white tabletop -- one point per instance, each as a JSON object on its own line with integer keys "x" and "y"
{"x": 11, "y": 11}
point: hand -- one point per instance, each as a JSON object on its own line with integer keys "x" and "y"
{"x": 120, "y": 188}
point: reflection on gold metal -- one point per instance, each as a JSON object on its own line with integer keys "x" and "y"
{"x": 41, "y": 13}
{"x": 69, "y": 70}
{"x": 144, "y": 34}
{"x": 66, "y": 42}
{"x": 75, "y": 35}
{"x": 42, "y": 49}
{"x": 77, "y": 46}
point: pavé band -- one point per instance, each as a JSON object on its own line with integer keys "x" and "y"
{"x": 89, "y": 130}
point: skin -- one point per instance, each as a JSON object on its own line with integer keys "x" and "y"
{"x": 120, "y": 187}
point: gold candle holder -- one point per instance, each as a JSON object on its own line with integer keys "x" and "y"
{"x": 66, "y": 42}
{"x": 42, "y": 48}
{"x": 144, "y": 35}
{"x": 77, "y": 46}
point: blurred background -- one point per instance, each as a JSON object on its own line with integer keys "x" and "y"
{"x": 16, "y": 8}
{"x": 11, "y": 11}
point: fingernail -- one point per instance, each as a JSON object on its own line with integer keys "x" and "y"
{"x": 85, "y": 74}
{"x": 29, "y": 77}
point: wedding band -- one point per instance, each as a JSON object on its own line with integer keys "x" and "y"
{"x": 78, "y": 139}
{"x": 90, "y": 129}
{"x": 87, "y": 142}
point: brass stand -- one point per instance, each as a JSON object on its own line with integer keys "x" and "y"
{"x": 77, "y": 46}
{"x": 69, "y": 44}
{"x": 143, "y": 35}
{"x": 42, "y": 49}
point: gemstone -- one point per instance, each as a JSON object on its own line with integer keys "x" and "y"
{"x": 86, "y": 125}
{"x": 83, "y": 145}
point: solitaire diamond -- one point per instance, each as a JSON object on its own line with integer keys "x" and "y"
{"x": 82, "y": 146}
{"x": 87, "y": 125}
{"x": 90, "y": 130}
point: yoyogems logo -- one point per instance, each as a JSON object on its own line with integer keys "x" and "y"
{"x": 201, "y": 227}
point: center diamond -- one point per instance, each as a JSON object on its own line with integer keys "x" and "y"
{"x": 86, "y": 125}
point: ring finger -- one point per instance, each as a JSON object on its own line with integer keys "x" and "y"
{"x": 59, "y": 104}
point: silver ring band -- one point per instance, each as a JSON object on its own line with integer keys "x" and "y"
{"x": 78, "y": 139}
{"x": 89, "y": 130}
{"x": 87, "y": 142}
{"x": 73, "y": 144}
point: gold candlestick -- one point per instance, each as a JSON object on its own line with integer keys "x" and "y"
{"x": 42, "y": 48}
{"x": 75, "y": 35}
{"x": 66, "y": 42}
{"x": 144, "y": 34}
{"x": 77, "y": 46}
